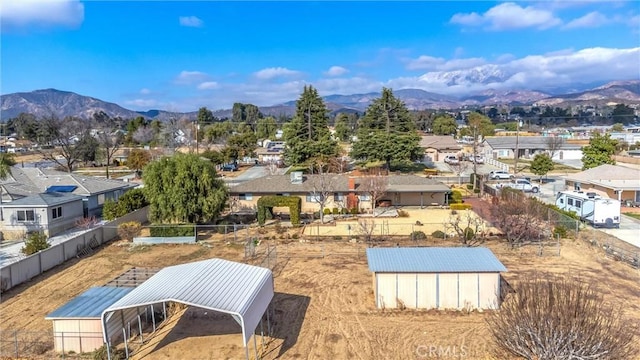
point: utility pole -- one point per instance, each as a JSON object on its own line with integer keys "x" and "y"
{"x": 197, "y": 126}
{"x": 515, "y": 166}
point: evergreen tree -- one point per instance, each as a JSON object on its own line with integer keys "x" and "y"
{"x": 387, "y": 132}
{"x": 307, "y": 136}
{"x": 599, "y": 151}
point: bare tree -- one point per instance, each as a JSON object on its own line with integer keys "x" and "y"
{"x": 518, "y": 218}
{"x": 469, "y": 227}
{"x": 143, "y": 135}
{"x": 322, "y": 188}
{"x": 556, "y": 317}
{"x": 110, "y": 143}
{"x": 366, "y": 228}
{"x": 375, "y": 186}
{"x": 554, "y": 144}
{"x": 459, "y": 168}
{"x": 66, "y": 137}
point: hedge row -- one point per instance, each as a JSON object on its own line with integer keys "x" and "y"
{"x": 460, "y": 206}
{"x": 267, "y": 203}
{"x": 172, "y": 230}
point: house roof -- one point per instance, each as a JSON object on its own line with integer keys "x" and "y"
{"x": 90, "y": 304}
{"x": 433, "y": 260}
{"x": 526, "y": 142}
{"x": 610, "y": 176}
{"x": 439, "y": 142}
{"x": 44, "y": 199}
{"x": 278, "y": 184}
{"x": 242, "y": 290}
{"x": 27, "y": 181}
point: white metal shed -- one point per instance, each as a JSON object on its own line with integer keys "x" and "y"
{"x": 241, "y": 290}
{"x": 435, "y": 278}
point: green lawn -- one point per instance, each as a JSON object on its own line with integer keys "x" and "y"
{"x": 633, "y": 215}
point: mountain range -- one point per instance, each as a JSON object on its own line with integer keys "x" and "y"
{"x": 64, "y": 103}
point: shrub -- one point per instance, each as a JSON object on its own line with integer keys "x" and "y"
{"x": 110, "y": 210}
{"x": 131, "y": 201}
{"x": 101, "y": 353}
{"x": 456, "y": 197}
{"x": 553, "y": 317}
{"x": 326, "y": 211}
{"x": 560, "y": 231}
{"x": 438, "y": 234}
{"x": 469, "y": 186}
{"x": 460, "y": 206}
{"x": 173, "y": 230}
{"x": 418, "y": 235}
{"x": 35, "y": 242}
{"x": 354, "y": 211}
{"x": 335, "y": 211}
{"x": 476, "y": 191}
{"x": 129, "y": 230}
{"x": 337, "y": 237}
{"x": 294, "y": 236}
{"x": 469, "y": 234}
{"x": 403, "y": 213}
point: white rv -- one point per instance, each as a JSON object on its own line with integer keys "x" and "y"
{"x": 591, "y": 207}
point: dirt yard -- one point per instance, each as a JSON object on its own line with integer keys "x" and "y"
{"x": 324, "y": 305}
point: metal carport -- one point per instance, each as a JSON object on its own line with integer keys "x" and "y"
{"x": 241, "y": 290}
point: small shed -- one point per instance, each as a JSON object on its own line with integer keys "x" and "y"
{"x": 77, "y": 325}
{"x": 435, "y": 278}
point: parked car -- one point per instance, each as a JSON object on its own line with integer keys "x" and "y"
{"x": 451, "y": 159}
{"x": 479, "y": 159}
{"x": 521, "y": 184}
{"x": 230, "y": 167}
{"x": 500, "y": 175}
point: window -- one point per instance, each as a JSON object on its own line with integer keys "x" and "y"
{"x": 26, "y": 215}
{"x": 313, "y": 198}
{"x": 338, "y": 197}
{"x": 56, "y": 212}
{"x": 578, "y": 203}
{"x": 100, "y": 199}
{"x": 246, "y": 196}
{"x": 570, "y": 202}
{"x": 365, "y": 197}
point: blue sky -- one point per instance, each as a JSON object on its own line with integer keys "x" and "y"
{"x": 184, "y": 55}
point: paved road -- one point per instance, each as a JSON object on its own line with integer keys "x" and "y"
{"x": 253, "y": 173}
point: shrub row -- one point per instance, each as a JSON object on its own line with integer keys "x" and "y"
{"x": 460, "y": 206}
{"x": 173, "y": 230}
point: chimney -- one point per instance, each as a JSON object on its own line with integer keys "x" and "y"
{"x": 352, "y": 183}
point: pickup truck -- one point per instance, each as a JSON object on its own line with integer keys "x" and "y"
{"x": 520, "y": 184}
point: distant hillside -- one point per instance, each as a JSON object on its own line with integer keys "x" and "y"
{"x": 64, "y": 103}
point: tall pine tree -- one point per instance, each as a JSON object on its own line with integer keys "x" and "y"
{"x": 307, "y": 136}
{"x": 387, "y": 132}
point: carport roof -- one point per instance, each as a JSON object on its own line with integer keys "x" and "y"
{"x": 242, "y": 290}
{"x": 433, "y": 260}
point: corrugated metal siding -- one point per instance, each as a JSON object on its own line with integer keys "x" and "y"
{"x": 386, "y": 290}
{"x": 468, "y": 290}
{"x": 216, "y": 284}
{"x": 91, "y": 303}
{"x": 414, "y": 260}
{"x": 489, "y": 290}
{"x": 427, "y": 291}
{"x": 448, "y": 291}
{"x": 407, "y": 290}
{"x": 77, "y": 335}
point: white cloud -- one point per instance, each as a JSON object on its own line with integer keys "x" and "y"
{"x": 274, "y": 72}
{"x": 208, "y": 85}
{"x": 191, "y": 21}
{"x": 590, "y": 20}
{"x": 191, "y": 77}
{"x": 426, "y": 62}
{"x": 336, "y": 71}
{"x": 41, "y": 13}
{"x": 507, "y": 16}
{"x": 145, "y": 91}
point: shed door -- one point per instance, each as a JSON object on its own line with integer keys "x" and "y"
{"x": 427, "y": 291}
{"x": 468, "y": 285}
{"x": 386, "y": 290}
{"x": 407, "y": 290}
{"x": 448, "y": 291}
{"x": 489, "y": 290}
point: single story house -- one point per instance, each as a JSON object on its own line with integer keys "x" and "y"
{"x": 438, "y": 147}
{"x": 618, "y": 182}
{"x": 50, "y": 213}
{"x": 497, "y": 147}
{"x": 346, "y": 192}
{"x": 24, "y": 182}
{"x": 435, "y": 278}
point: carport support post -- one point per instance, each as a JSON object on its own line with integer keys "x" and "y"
{"x": 153, "y": 318}
{"x": 261, "y": 333}
{"x": 140, "y": 329}
{"x": 268, "y": 321}
{"x": 126, "y": 348}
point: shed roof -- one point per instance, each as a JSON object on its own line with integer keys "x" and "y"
{"x": 90, "y": 304}
{"x": 242, "y": 290}
{"x": 439, "y": 142}
{"x": 609, "y": 176}
{"x": 433, "y": 259}
{"x": 527, "y": 142}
